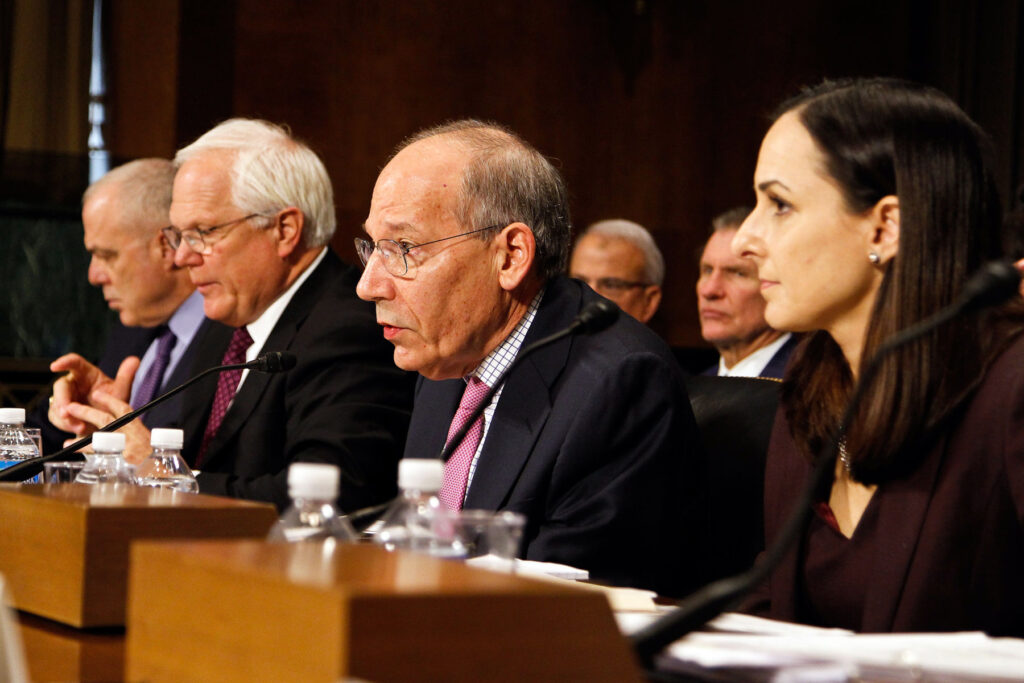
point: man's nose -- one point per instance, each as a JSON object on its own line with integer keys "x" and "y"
{"x": 97, "y": 273}
{"x": 375, "y": 283}
{"x": 710, "y": 286}
{"x": 185, "y": 256}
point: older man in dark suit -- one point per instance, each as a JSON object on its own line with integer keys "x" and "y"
{"x": 592, "y": 437}
{"x": 251, "y": 217}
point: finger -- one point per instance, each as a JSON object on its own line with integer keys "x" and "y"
{"x": 80, "y": 369}
{"x": 110, "y": 403}
{"x": 90, "y": 415}
{"x": 125, "y": 375}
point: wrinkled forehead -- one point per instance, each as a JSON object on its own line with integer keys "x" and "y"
{"x": 418, "y": 191}
{"x": 202, "y": 187}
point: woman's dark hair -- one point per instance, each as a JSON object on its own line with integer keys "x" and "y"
{"x": 885, "y": 137}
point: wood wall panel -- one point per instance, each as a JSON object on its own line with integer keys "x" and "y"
{"x": 653, "y": 109}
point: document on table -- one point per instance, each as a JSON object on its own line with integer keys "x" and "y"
{"x": 761, "y": 649}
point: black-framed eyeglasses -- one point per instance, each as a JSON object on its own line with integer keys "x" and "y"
{"x": 612, "y": 284}
{"x": 195, "y": 238}
{"x": 394, "y": 253}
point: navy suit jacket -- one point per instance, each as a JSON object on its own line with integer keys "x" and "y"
{"x": 344, "y": 402}
{"x": 594, "y": 441}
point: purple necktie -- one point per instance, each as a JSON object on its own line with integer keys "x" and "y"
{"x": 227, "y": 383}
{"x": 456, "y": 470}
{"x": 154, "y": 377}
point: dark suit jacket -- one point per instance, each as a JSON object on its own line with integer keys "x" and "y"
{"x": 123, "y": 342}
{"x": 594, "y": 441}
{"x": 951, "y": 555}
{"x": 344, "y": 402}
{"x": 776, "y": 367}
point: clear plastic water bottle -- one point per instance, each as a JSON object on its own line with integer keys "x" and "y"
{"x": 15, "y": 443}
{"x": 165, "y": 468}
{"x": 106, "y": 464}
{"x": 417, "y": 519}
{"x": 313, "y": 514}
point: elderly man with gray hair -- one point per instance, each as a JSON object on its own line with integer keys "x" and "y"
{"x": 251, "y": 217}
{"x": 591, "y": 437}
{"x": 621, "y": 262}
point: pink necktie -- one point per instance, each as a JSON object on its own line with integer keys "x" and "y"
{"x": 227, "y": 383}
{"x": 456, "y": 470}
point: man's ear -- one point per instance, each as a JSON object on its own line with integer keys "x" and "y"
{"x": 885, "y": 230}
{"x": 516, "y": 249}
{"x": 288, "y": 230}
{"x": 164, "y": 252}
{"x": 652, "y": 299}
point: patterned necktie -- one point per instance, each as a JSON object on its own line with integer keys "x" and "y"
{"x": 227, "y": 384}
{"x": 154, "y": 377}
{"x": 456, "y": 470}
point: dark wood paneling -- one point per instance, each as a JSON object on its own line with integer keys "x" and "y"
{"x": 653, "y": 109}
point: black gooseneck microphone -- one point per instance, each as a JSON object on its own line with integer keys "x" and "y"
{"x": 994, "y": 283}
{"x": 273, "y": 361}
{"x": 594, "y": 317}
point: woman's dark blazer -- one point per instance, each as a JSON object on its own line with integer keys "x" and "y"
{"x": 950, "y": 554}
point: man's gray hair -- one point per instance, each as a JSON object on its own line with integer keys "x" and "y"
{"x": 143, "y": 189}
{"x": 731, "y": 219}
{"x": 509, "y": 181}
{"x": 272, "y": 171}
{"x": 639, "y": 237}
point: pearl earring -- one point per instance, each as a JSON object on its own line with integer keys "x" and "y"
{"x": 874, "y": 258}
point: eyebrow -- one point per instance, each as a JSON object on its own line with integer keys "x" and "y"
{"x": 393, "y": 228}
{"x": 768, "y": 183}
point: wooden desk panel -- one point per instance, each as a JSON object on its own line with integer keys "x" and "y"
{"x": 59, "y": 653}
{"x": 64, "y": 548}
{"x": 251, "y": 611}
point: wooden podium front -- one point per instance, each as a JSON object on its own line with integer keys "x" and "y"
{"x": 253, "y": 611}
{"x": 64, "y": 548}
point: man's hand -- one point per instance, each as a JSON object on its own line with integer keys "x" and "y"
{"x": 104, "y": 408}
{"x": 81, "y": 381}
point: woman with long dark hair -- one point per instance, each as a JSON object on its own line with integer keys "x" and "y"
{"x": 875, "y": 203}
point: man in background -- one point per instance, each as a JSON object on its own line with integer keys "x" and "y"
{"x": 621, "y": 262}
{"x": 160, "y": 313}
{"x": 732, "y": 309}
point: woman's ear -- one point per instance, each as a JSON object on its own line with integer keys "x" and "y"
{"x": 885, "y": 233}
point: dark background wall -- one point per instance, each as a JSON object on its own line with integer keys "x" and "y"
{"x": 653, "y": 109}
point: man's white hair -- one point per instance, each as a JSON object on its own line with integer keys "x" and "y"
{"x": 637, "y": 235}
{"x": 272, "y": 171}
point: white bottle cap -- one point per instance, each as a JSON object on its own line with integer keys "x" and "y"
{"x": 423, "y": 474}
{"x": 318, "y": 481}
{"x": 108, "y": 441}
{"x": 12, "y": 416}
{"x": 167, "y": 438}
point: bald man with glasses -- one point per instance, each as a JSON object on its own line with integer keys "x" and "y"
{"x": 251, "y": 218}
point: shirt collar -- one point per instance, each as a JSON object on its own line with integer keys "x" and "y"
{"x": 753, "y": 364}
{"x": 498, "y": 360}
{"x": 261, "y": 328}
{"x": 186, "y": 320}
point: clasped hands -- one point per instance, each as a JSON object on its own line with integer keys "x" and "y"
{"x": 85, "y": 399}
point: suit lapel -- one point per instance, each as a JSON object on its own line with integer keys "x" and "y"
{"x": 525, "y": 404}
{"x": 901, "y": 514}
{"x": 281, "y": 338}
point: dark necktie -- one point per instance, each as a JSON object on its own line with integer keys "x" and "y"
{"x": 154, "y": 377}
{"x": 456, "y": 470}
{"x": 227, "y": 384}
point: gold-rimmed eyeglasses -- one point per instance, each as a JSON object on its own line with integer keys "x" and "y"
{"x": 393, "y": 253}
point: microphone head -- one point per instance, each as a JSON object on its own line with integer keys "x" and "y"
{"x": 276, "y": 361}
{"x": 993, "y": 284}
{"x": 596, "y": 316}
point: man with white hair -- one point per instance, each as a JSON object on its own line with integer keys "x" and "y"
{"x": 160, "y": 313}
{"x": 621, "y": 262}
{"x": 251, "y": 217}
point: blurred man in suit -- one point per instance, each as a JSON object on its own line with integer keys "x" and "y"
{"x": 251, "y": 217}
{"x": 732, "y": 309}
{"x": 591, "y": 438}
{"x": 160, "y": 312}
{"x": 621, "y": 262}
